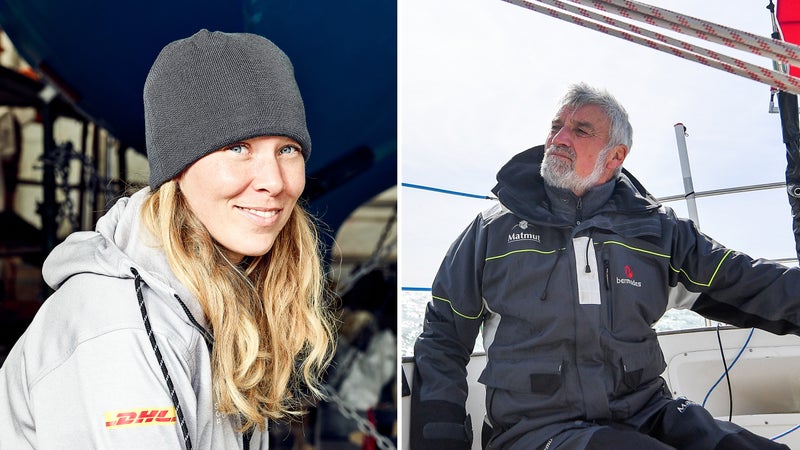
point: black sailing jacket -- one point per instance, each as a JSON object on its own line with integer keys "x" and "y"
{"x": 566, "y": 292}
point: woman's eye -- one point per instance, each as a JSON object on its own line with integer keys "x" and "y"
{"x": 238, "y": 148}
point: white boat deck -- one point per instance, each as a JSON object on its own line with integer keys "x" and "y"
{"x": 765, "y": 380}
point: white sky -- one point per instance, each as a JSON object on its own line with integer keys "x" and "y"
{"x": 478, "y": 83}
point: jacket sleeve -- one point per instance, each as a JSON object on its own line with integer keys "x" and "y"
{"x": 107, "y": 395}
{"x": 85, "y": 376}
{"x": 730, "y": 287}
{"x": 452, "y": 321}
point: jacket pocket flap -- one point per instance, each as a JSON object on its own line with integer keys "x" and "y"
{"x": 641, "y": 366}
{"x": 535, "y": 375}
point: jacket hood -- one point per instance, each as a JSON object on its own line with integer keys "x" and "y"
{"x": 520, "y": 187}
{"x": 119, "y": 243}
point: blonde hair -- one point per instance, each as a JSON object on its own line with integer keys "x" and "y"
{"x": 272, "y": 326}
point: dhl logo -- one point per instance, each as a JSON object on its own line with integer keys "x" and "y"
{"x": 138, "y": 417}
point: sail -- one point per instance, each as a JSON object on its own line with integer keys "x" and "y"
{"x": 788, "y": 14}
{"x": 788, "y": 23}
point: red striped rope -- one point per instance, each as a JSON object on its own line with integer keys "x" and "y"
{"x": 663, "y": 43}
{"x": 784, "y": 52}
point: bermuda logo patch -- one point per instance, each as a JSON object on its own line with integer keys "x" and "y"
{"x": 629, "y": 272}
{"x": 520, "y": 232}
{"x": 628, "y": 279}
{"x": 140, "y": 417}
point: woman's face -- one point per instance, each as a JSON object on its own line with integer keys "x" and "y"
{"x": 245, "y": 192}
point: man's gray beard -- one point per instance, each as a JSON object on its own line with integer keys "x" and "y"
{"x": 560, "y": 173}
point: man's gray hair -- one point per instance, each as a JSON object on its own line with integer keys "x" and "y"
{"x": 581, "y": 94}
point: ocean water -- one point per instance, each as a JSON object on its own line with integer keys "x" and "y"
{"x": 412, "y": 311}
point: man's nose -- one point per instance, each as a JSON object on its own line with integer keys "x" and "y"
{"x": 562, "y": 138}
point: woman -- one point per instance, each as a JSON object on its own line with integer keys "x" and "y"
{"x": 195, "y": 311}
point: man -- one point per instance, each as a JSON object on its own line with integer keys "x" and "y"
{"x": 567, "y": 275}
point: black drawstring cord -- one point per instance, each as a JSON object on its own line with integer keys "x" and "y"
{"x": 543, "y": 297}
{"x": 203, "y": 332}
{"x": 553, "y": 269}
{"x": 588, "y": 268}
{"x": 178, "y": 411}
{"x": 209, "y": 338}
{"x": 246, "y": 436}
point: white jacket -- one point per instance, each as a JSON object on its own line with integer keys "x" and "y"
{"x": 85, "y": 375}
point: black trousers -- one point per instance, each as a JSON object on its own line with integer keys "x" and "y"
{"x": 680, "y": 425}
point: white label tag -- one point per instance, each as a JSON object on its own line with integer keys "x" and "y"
{"x": 588, "y": 282}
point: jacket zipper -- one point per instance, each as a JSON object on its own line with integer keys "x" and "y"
{"x": 492, "y": 422}
{"x": 609, "y": 303}
{"x": 543, "y": 296}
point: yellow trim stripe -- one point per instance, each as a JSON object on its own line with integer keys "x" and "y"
{"x": 713, "y": 275}
{"x": 527, "y": 250}
{"x": 637, "y": 249}
{"x": 716, "y": 270}
{"x": 641, "y": 250}
{"x": 458, "y": 313}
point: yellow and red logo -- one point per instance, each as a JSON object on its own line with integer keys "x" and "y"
{"x": 139, "y": 417}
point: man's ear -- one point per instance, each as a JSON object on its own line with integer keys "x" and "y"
{"x": 616, "y": 157}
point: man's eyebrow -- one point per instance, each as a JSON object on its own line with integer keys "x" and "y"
{"x": 589, "y": 126}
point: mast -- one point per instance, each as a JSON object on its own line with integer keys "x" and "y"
{"x": 686, "y": 171}
{"x": 786, "y": 26}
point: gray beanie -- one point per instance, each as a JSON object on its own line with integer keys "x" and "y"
{"x": 213, "y": 89}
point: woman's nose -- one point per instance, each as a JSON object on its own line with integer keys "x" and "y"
{"x": 268, "y": 175}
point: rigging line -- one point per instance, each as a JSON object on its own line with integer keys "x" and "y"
{"x": 445, "y": 191}
{"x": 729, "y": 367}
{"x": 784, "y": 261}
{"x": 376, "y": 259}
{"x": 725, "y": 191}
{"x": 727, "y": 375}
{"x": 666, "y": 199}
{"x": 777, "y": 79}
{"x": 776, "y": 29}
{"x": 791, "y": 430}
{"x": 730, "y": 37}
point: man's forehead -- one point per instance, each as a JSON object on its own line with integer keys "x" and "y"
{"x": 588, "y": 114}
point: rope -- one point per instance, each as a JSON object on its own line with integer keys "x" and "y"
{"x": 705, "y": 30}
{"x": 789, "y": 431}
{"x": 746, "y": 342}
{"x": 60, "y": 160}
{"x": 727, "y": 370}
{"x": 663, "y": 43}
{"x": 775, "y": 78}
{"x": 208, "y": 337}
{"x": 170, "y": 386}
{"x": 445, "y": 191}
{"x": 727, "y": 373}
{"x": 381, "y": 248}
